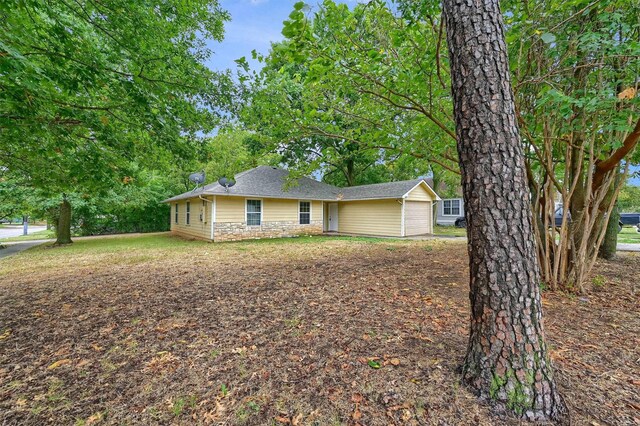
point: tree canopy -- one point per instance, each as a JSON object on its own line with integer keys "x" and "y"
{"x": 90, "y": 89}
{"x": 375, "y": 77}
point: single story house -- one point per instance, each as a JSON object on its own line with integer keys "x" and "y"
{"x": 449, "y": 209}
{"x": 263, "y": 203}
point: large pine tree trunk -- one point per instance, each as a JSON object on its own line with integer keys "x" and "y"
{"x": 63, "y": 230}
{"x": 506, "y": 358}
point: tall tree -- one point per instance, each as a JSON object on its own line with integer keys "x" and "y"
{"x": 384, "y": 68}
{"x": 88, "y": 86}
{"x": 506, "y": 358}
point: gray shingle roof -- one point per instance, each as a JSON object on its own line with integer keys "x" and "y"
{"x": 379, "y": 190}
{"x": 267, "y": 181}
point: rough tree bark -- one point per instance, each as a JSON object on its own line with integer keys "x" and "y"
{"x": 507, "y": 359}
{"x": 63, "y": 230}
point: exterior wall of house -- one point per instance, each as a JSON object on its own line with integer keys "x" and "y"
{"x": 230, "y": 209}
{"x": 375, "y": 217}
{"x": 448, "y": 220}
{"x": 419, "y": 193}
{"x": 280, "y": 218}
{"x": 200, "y": 219}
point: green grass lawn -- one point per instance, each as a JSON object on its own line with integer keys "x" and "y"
{"x": 40, "y": 235}
{"x": 451, "y": 231}
{"x": 629, "y": 235}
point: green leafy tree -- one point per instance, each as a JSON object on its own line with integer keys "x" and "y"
{"x": 234, "y": 151}
{"x": 629, "y": 199}
{"x": 575, "y": 78}
{"x": 16, "y": 200}
{"x": 383, "y": 70}
{"x": 88, "y": 87}
{"x": 333, "y": 95}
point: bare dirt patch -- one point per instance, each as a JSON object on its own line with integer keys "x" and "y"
{"x": 300, "y": 332}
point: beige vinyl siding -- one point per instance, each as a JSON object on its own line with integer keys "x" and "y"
{"x": 230, "y": 209}
{"x": 279, "y": 210}
{"x": 420, "y": 193}
{"x": 376, "y": 217}
{"x": 316, "y": 211}
{"x": 197, "y": 228}
{"x": 417, "y": 218}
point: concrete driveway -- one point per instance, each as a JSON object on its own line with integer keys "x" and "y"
{"x": 8, "y": 231}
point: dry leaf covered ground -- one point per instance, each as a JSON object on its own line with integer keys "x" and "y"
{"x": 158, "y": 330}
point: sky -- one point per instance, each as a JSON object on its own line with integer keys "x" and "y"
{"x": 254, "y": 25}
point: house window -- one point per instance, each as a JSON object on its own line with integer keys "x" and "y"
{"x": 254, "y": 212}
{"x": 451, "y": 207}
{"x": 188, "y": 212}
{"x": 305, "y": 212}
{"x": 176, "y": 215}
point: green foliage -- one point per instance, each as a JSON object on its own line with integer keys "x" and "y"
{"x": 16, "y": 200}
{"x": 374, "y": 364}
{"x": 629, "y": 199}
{"x": 234, "y": 151}
{"x": 340, "y": 95}
{"x": 598, "y": 281}
{"x": 91, "y": 88}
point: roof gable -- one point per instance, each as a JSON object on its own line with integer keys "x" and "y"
{"x": 427, "y": 187}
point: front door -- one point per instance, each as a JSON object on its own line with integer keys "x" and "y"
{"x": 333, "y": 217}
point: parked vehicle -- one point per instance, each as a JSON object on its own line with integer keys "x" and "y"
{"x": 625, "y": 219}
{"x": 630, "y": 219}
{"x": 558, "y": 219}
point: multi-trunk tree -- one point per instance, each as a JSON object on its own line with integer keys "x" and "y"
{"x": 576, "y": 73}
{"x": 507, "y": 359}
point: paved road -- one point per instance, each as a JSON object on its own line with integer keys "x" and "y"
{"x": 8, "y": 231}
{"x": 628, "y": 247}
{"x": 15, "y": 248}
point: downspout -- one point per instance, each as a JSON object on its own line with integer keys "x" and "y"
{"x": 402, "y": 231}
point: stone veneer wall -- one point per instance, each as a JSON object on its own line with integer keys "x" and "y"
{"x": 234, "y": 231}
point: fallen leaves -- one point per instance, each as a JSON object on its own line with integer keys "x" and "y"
{"x": 234, "y": 320}
{"x": 357, "y": 400}
{"x": 59, "y": 363}
{"x": 163, "y": 362}
{"x": 293, "y": 420}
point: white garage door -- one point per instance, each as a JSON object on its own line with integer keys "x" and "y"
{"x": 417, "y": 217}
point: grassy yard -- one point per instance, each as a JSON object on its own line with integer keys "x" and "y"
{"x": 450, "y": 231}
{"x": 159, "y": 330}
{"x": 629, "y": 235}
{"x": 39, "y": 235}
